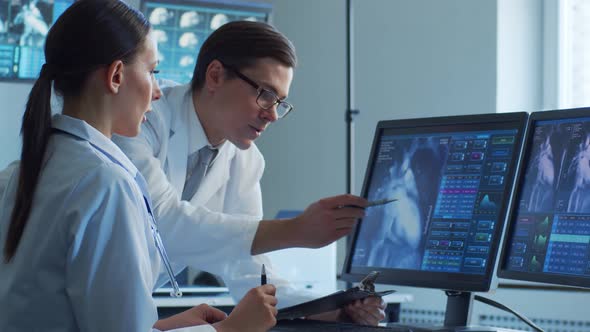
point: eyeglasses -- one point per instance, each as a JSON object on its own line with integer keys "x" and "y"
{"x": 266, "y": 99}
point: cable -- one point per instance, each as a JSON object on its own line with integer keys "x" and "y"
{"x": 505, "y": 308}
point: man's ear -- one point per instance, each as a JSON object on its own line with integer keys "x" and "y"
{"x": 214, "y": 76}
{"x": 115, "y": 76}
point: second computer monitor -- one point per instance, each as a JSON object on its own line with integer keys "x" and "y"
{"x": 452, "y": 178}
{"x": 548, "y": 235}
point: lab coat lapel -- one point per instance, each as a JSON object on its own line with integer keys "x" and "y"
{"x": 216, "y": 176}
{"x": 179, "y": 100}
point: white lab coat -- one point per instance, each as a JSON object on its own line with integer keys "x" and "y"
{"x": 87, "y": 259}
{"x": 214, "y": 231}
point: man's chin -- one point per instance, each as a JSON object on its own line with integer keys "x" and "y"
{"x": 243, "y": 144}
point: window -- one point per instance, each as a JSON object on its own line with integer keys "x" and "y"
{"x": 571, "y": 49}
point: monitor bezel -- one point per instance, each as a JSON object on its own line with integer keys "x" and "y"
{"x": 441, "y": 280}
{"x": 503, "y": 272}
{"x": 262, "y": 6}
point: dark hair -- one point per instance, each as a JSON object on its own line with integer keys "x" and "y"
{"x": 88, "y": 35}
{"x": 239, "y": 44}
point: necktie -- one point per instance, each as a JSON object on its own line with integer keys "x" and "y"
{"x": 197, "y": 165}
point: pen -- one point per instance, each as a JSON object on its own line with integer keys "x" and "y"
{"x": 373, "y": 203}
{"x": 263, "y": 276}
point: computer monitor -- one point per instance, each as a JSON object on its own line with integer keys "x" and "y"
{"x": 452, "y": 178}
{"x": 181, "y": 27}
{"x": 548, "y": 233}
{"x": 23, "y": 27}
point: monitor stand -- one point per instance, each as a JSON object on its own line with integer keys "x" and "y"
{"x": 457, "y": 316}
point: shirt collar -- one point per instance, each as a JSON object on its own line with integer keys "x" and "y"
{"x": 196, "y": 134}
{"x": 83, "y": 130}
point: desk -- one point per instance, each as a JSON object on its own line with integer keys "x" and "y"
{"x": 168, "y": 306}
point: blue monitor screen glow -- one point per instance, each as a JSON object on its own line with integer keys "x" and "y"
{"x": 548, "y": 237}
{"x": 23, "y": 27}
{"x": 453, "y": 179}
{"x": 181, "y": 27}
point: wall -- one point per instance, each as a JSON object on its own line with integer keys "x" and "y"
{"x": 13, "y": 98}
{"x": 305, "y": 151}
{"x": 422, "y": 58}
{"x": 520, "y": 56}
{"x": 412, "y": 58}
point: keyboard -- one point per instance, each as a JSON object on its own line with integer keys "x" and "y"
{"x": 317, "y": 326}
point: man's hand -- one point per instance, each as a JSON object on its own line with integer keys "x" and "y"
{"x": 199, "y": 315}
{"x": 322, "y": 223}
{"x": 327, "y": 220}
{"x": 369, "y": 311}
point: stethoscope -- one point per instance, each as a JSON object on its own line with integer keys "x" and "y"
{"x": 157, "y": 239}
{"x": 175, "y": 292}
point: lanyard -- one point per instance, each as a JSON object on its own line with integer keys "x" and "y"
{"x": 160, "y": 246}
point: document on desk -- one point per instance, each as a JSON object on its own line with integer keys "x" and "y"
{"x": 333, "y": 301}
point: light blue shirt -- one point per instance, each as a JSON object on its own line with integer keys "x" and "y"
{"x": 87, "y": 259}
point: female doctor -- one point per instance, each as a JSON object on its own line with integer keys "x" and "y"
{"x": 81, "y": 249}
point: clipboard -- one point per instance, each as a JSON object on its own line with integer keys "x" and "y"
{"x": 335, "y": 300}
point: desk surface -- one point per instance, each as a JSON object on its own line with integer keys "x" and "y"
{"x": 193, "y": 300}
{"x": 224, "y": 299}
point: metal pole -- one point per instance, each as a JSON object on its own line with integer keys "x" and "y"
{"x": 350, "y": 111}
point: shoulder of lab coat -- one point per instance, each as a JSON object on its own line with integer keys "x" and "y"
{"x": 109, "y": 260}
{"x": 98, "y": 218}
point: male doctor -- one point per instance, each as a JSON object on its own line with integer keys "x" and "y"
{"x": 197, "y": 153}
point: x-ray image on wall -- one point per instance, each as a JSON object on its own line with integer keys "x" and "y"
{"x": 557, "y": 177}
{"x": 410, "y": 170}
{"x": 181, "y": 28}
{"x": 24, "y": 25}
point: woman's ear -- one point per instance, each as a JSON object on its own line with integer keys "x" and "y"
{"x": 115, "y": 76}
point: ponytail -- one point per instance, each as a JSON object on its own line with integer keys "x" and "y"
{"x": 35, "y": 132}
{"x": 89, "y": 34}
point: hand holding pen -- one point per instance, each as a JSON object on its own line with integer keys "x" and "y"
{"x": 256, "y": 311}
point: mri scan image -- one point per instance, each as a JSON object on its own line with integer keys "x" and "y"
{"x": 394, "y": 234}
{"x": 558, "y": 172}
{"x": 180, "y": 28}
{"x": 160, "y": 35}
{"x": 189, "y": 19}
{"x": 218, "y": 20}
{"x": 160, "y": 16}
{"x": 188, "y": 40}
{"x": 187, "y": 61}
{"x": 25, "y": 23}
